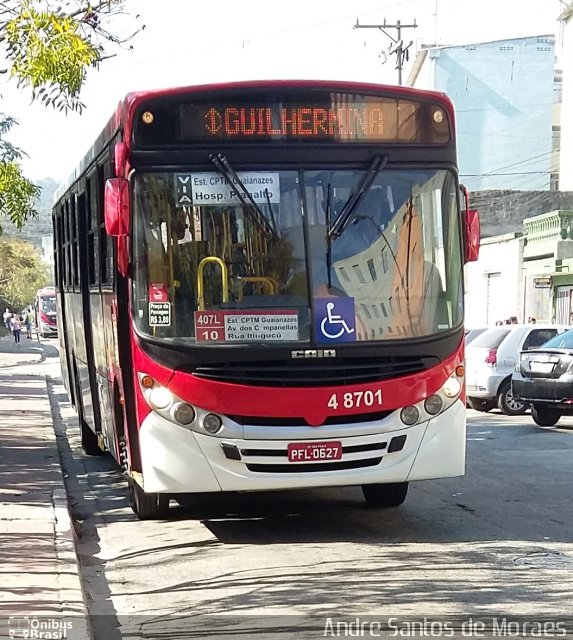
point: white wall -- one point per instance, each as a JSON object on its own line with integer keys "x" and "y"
{"x": 503, "y": 255}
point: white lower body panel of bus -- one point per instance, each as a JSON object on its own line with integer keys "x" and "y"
{"x": 176, "y": 459}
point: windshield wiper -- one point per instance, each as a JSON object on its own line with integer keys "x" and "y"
{"x": 377, "y": 164}
{"x": 239, "y": 189}
{"x": 329, "y": 237}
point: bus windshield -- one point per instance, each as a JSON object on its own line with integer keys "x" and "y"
{"x": 283, "y": 264}
{"x": 48, "y": 304}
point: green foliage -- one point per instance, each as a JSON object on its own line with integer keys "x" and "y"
{"x": 22, "y": 272}
{"x": 48, "y": 53}
{"x": 47, "y": 48}
{"x": 16, "y": 192}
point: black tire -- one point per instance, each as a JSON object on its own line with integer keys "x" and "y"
{"x": 544, "y": 416}
{"x": 479, "y": 404}
{"x": 147, "y": 506}
{"x": 385, "y": 495}
{"x": 506, "y": 402}
{"x": 89, "y": 441}
{"x": 90, "y": 444}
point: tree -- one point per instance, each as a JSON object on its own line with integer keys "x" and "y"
{"x": 22, "y": 272}
{"x": 47, "y": 48}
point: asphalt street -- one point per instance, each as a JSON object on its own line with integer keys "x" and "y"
{"x": 497, "y": 542}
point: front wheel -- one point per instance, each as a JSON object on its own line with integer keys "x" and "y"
{"x": 385, "y": 495}
{"x": 507, "y": 404}
{"x": 147, "y": 506}
{"x": 544, "y": 417}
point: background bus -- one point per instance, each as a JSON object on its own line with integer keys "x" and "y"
{"x": 45, "y": 312}
{"x": 260, "y": 286}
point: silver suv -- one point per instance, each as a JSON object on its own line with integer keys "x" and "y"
{"x": 491, "y": 359}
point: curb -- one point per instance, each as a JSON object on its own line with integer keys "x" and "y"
{"x": 71, "y": 593}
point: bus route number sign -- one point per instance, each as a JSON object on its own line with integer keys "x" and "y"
{"x": 159, "y": 314}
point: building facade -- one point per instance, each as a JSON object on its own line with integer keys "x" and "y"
{"x": 548, "y": 265}
{"x": 524, "y": 275}
{"x": 504, "y": 94}
{"x": 566, "y": 146}
{"x": 494, "y": 283}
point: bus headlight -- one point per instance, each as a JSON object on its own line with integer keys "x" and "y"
{"x": 212, "y": 423}
{"x": 409, "y": 415}
{"x": 176, "y": 410}
{"x": 452, "y": 387}
{"x": 160, "y": 397}
{"x": 433, "y": 405}
{"x": 184, "y": 413}
{"x": 436, "y": 403}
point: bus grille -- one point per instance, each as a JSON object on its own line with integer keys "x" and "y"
{"x": 313, "y": 466}
{"x": 315, "y": 373}
{"x": 259, "y": 421}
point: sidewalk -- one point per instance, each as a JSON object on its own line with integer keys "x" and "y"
{"x": 38, "y": 564}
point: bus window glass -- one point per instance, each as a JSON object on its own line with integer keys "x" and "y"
{"x": 210, "y": 268}
{"x": 199, "y": 251}
{"x": 48, "y": 304}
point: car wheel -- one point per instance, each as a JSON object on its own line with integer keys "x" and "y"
{"x": 507, "y": 404}
{"x": 385, "y": 495}
{"x": 544, "y": 417}
{"x": 479, "y": 404}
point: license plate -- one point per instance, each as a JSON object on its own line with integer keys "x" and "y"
{"x": 314, "y": 451}
{"x": 541, "y": 367}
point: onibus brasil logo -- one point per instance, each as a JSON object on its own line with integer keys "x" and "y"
{"x": 41, "y": 628}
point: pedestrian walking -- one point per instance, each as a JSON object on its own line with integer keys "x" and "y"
{"x": 7, "y": 317}
{"x": 16, "y": 326}
{"x": 28, "y": 323}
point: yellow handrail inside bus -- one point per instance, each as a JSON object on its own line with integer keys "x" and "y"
{"x": 200, "y": 287}
{"x": 271, "y": 285}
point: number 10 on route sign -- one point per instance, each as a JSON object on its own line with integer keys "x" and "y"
{"x": 210, "y": 326}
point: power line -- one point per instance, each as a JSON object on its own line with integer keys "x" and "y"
{"x": 400, "y": 51}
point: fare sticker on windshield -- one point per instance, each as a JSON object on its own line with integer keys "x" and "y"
{"x": 246, "y": 326}
{"x": 159, "y": 314}
{"x": 214, "y": 189}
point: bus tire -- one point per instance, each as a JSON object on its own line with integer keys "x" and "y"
{"x": 147, "y": 506}
{"x": 544, "y": 417}
{"x": 385, "y": 495}
{"x": 90, "y": 444}
{"x": 89, "y": 441}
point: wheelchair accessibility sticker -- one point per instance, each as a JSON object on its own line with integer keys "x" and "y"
{"x": 334, "y": 319}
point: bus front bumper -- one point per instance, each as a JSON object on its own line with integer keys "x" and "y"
{"x": 176, "y": 459}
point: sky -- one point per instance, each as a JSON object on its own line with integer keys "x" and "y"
{"x": 188, "y": 42}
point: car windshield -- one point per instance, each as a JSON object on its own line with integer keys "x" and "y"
{"x": 562, "y": 341}
{"x": 210, "y": 266}
{"x": 490, "y": 339}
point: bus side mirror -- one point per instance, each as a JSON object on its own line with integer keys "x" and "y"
{"x": 116, "y": 207}
{"x": 471, "y": 236}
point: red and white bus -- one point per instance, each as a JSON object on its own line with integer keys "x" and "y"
{"x": 45, "y": 312}
{"x": 260, "y": 287}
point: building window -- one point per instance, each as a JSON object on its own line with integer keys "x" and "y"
{"x": 555, "y": 138}
{"x": 554, "y": 182}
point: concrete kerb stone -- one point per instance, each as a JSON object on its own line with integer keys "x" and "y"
{"x": 72, "y": 595}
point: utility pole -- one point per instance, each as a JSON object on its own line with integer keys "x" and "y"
{"x": 400, "y": 51}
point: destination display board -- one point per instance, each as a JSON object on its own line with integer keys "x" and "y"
{"x": 327, "y": 117}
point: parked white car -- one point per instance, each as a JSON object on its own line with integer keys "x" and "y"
{"x": 491, "y": 359}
